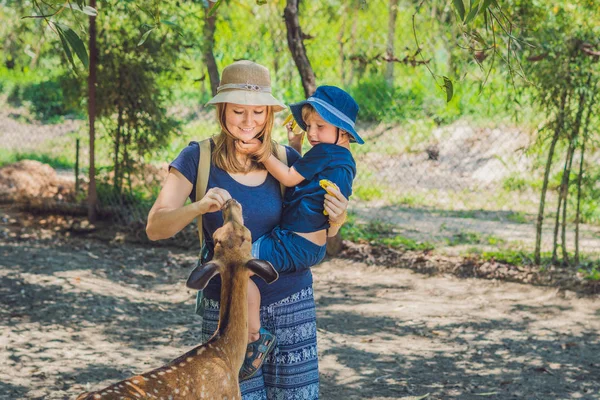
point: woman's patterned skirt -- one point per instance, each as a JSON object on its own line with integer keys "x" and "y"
{"x": 291, "y": 370}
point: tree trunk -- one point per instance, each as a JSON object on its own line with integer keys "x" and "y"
{"x": 352, "y": 47}
{"x": 565, "y": 196}
{"x": 567, "y": 172}
{"x": 296, "y": 46}
{"x": 580, "y": 176}
{"x": 341, "y": 52}
{"x": 208, "y": 30}
{"x": 540, "y": 218}
{"x": 92, "y": 195}
{"x": 556, "y": 229}
{"x": 389, "y": 68}
{"x": 578, "y": 208}
{"x": 117, "y": 149}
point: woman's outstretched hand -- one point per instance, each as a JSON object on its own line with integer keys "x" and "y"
{"x": 335, "y": 205}
{"x": 213, "y": 200}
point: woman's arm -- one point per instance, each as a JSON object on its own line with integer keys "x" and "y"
{"x": 335, "y": 205}
{"x": 169, "y": 215}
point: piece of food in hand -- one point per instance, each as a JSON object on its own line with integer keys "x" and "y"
{"x": 295, "y": 127}
{"x": 327, "y": 185}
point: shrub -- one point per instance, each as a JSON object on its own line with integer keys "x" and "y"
{"x": 380, "y": 102}
{"x": 50, "y": 98}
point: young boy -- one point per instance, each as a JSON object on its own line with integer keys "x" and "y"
{"x": 328, "y": 117}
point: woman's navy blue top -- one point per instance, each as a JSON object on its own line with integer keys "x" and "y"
{"x": 261, "y": 207}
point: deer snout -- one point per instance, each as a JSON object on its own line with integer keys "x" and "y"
{"x": 232, "y": 212}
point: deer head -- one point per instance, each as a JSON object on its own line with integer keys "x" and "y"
{"x": 233, "y": 242}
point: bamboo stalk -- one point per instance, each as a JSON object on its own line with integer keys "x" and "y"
{"x": 540, "y": 218}
{"x": 580, "y": 175}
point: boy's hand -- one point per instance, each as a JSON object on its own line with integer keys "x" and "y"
{"x": 295, "y": 133}
{"x": 250, "y": 147}
{"x": 294, "y": 139}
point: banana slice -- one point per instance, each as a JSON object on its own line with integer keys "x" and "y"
{"x": 327, "y": 184}
{"x": 295, "y": 127}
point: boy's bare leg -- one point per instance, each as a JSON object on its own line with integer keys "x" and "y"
{"x": 253, "y": 311}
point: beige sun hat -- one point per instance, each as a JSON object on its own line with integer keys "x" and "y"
{"x": 247, "y": 83}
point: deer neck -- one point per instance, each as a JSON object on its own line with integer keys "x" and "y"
{"x": 233, "y": 314}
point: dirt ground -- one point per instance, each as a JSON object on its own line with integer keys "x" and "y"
{"x": 79, "y": 313}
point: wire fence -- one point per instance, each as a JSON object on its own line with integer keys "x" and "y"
{"x": 461, "y": 190}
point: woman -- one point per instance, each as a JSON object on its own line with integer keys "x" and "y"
{"x": 245, "y": 109}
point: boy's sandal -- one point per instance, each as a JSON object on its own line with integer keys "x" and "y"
{"x": 256, "y": 352}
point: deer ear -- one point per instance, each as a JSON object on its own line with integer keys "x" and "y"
{"x": 200, "y": 276}
{"x": 264, "y": 269}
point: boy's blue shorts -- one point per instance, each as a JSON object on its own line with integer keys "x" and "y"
{"x": 287, "y": 251}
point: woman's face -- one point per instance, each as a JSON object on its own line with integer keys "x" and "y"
{"x": 245, "y": 122}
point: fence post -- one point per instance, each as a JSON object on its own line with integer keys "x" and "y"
{"x": 77, "y": 166}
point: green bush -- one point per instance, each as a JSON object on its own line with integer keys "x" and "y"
{"x": 380, "y": 102}
{"x": 53, "y": 98}
{"x": 48, "y": 99}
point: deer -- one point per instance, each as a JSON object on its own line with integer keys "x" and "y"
{"x": 208, "y": 371}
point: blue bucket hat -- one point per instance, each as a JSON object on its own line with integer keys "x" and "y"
{"x": 335, "y": 106}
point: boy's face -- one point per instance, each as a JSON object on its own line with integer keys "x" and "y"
{"x": 319, "y": 131}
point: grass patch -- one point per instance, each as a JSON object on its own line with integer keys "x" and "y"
{"x": 409, "y": 200}
{"x": 515, "y": 257}
{"x": 379, "y": 233}
{"x": 406, "y": 243}
{"x": 495, "y": 241}
{"x": 370, "y": 192}
{"x": 56, "y": 162}
{"x": 462, "y": 238}
{"x": 590, "y": 273}
{"x": 515, "y": 183}
{"x": 518, "y": 217}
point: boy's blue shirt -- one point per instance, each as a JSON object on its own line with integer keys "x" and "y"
{"x": 303, "y": 204}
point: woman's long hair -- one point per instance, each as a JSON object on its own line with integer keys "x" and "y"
{"x": 224, "y": 153}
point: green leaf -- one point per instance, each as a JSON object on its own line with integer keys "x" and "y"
{"x": 460, "y": 8}
{"x": 75, "y": 42}
{"x": 173, "y": 25}
{"x": 145, "y": 11}
{"x": 449, "y": 88}
{"x": 486, "y": 4}
{"x": 213, "y": 10}
{"x": 85, "y": 9}
{"x": 261, "y": 2}
{"x": 475, "y": 8}
{"x": 64, "y": 43}
{"x": 476, "y": 36}
{"x": 145, "y": 36}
